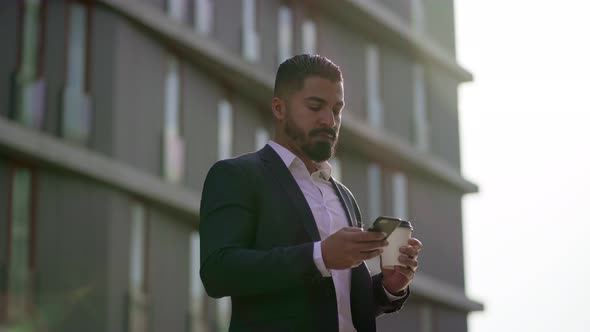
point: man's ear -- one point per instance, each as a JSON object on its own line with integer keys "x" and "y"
{"x": 278, "y": 108}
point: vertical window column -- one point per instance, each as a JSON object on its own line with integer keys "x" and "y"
{"x": 375, "y": 192}
{"x": 250, "y": 38}
{"x": 262, "y": 137}
{"x": 225, "y": 130}
{"x": 173, "y": 157}
{"x": 20, "y": 253}
{"x": 138, "y": 303}
{"x": 198, "y": 297}
{"x": 76, "y": 118}
{"x": 421, "y": 121}
{"x": 203, "y": 16}
{"x": 399, "y": 186}
{"x": 285, "y": 35}
{"x": 29, "y": 85}
{"x": 374, "y": 104}
{"x": 309, "y": 37}
{"x": 417, "y": 14}
{"x": 177, "y": 9}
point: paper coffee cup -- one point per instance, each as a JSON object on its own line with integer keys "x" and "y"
{"x": 397, "y": 239}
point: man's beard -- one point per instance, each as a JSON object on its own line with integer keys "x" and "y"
{"x": 318, "y": 151}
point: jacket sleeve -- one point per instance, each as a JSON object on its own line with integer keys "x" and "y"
{"x": 228, "y": 222}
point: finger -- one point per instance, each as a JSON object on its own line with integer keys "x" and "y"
{"x": 405, "y": 271}
{"x": 363, "y": 256}
{"x": 415, "y": 243}
{"x": 351, "y": 229}
{"x": 368, "y": 236}
{"x": 409, "y": 262}
{"x": 410, "y": 251}
{"x": 368, "y": 246}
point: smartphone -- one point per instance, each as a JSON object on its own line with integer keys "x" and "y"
{"x": 385, "y": 225}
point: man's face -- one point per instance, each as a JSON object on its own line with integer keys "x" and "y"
{"x": 313, "y": 115}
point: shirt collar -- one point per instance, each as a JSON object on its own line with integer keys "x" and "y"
{"x": 289, "y": 158}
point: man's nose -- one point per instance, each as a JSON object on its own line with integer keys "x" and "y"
{"x": 327, "y": 119}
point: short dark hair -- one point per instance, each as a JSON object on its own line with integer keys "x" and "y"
{"x": 293, "y": 72}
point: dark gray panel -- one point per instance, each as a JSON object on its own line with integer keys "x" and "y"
{"x": 8, "y": 57}
{"x": 168, "y": 266}
{"x": 138, "y": 110}
{"x": 354, "y": 176}
{"x": 119, "y": 222}
{"x": 268, "y": 32}
{"x": 227, "y": 24}
{"x": 4, "y": 216}
{"x": 443, "y": 116}
{"x": 449, "y": 320}
{"x": 102, "y": 76}
{"x": 397, "y": 93}
{"x": 55, "y": 63}
{"x": 246, "y": 119}
{"x": 71, "y": 251}
{"x": 201, "y": 95}
{"x": 440, "y": 25}
{"x": 403, "y": 8}
{"x": 347, "y": 49}
{"x": 408, "y": 319}
{"x": 435, "y": 212}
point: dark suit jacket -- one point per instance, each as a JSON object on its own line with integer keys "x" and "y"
{"x": 257, "y": 234}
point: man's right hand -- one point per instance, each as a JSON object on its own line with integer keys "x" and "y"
{"x": 349, "y": 247}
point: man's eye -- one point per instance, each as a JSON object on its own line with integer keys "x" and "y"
{"x": 315, "y": 109}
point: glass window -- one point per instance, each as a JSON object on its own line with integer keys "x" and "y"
{"x": 223, "y": 313}
{"x": 421, "y": 124}
{"x": 400, "y": 198}
{"x": 250, "y": 39}
{"x": 374, "y": 105}
{"x": 138, "y": 315}
{"x": 309, "y": 37}
{"x": 177, "y": 9}
{"x": 336, "y": 168}
{"x": 204, "y": 16}
{"x": 173, "y": 144}
{"x": 285, "y": 42}
{"x": 426, "y": 318}
{"x": 225, "y": 129}
{"x": 262, "y": 137}
{"x": 19, "y": 242}
{"x": 198, "y": 298}
{"x": 418, "y": 15}
{"x": 30, "y": 91}
{"x": 374, "y": 181}
{"x": 76, "y": 117}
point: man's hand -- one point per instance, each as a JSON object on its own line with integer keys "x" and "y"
{"x": 349, "y": 247}
{"x": 399, "y": 278}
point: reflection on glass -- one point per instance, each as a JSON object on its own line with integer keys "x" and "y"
{"x": 309, "y": 37}
{"x": 225, "y": 130}
{"x": 374, "y": 105}
{"x": 20, "y": 222}
{"x": 400, "y": 195}
{"x": 204, "y": 16}
{"x": 250, "y": 39}
{"x": 421, "y": 124}
{"x": 374, "y": 181}
{"x": 285, "y": 34}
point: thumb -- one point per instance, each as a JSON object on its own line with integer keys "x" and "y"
{"x": 351, "y": 229}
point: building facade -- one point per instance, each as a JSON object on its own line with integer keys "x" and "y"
{"x": 112, "y": 112}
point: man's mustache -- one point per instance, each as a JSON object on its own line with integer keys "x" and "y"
{"x": 319, "y": 131}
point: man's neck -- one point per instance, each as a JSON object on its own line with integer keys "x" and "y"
{"x": 311, "y": 165}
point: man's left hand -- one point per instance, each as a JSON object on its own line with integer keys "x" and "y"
{"x": 397, "y": 280}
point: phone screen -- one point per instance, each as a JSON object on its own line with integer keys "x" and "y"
{"x": 385, "y": 225}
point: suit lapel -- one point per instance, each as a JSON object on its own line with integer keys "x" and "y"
{"x": 279, "y": 171}
{"x": 346, "y": 203}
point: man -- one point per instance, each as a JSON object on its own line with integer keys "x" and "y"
{"x": 281, "y": 236}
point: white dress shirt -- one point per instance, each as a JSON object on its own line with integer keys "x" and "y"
{"x": 330, "y": 216}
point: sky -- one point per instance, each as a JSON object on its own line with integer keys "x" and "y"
{"x": 525, "y": 140}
